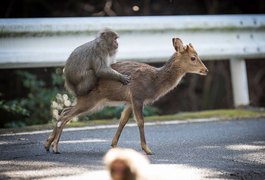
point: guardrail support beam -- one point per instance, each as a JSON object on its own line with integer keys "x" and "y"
{"x": 239, "y": 82}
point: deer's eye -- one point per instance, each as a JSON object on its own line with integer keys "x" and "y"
{"x": 193, "y": 58}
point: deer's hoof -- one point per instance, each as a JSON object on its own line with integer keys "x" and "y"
{"x": 47, "y": 150}
{"x": 113, "y": 145}
{"x": 147, "y": 150}
{"x": 55, "y": 148}
{"x": 47, "y": 146}
{"x": 56, "y": 152}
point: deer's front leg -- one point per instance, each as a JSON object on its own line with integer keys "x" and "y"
{"x": 125, "y": 115}
{"x": 138, "y": 113}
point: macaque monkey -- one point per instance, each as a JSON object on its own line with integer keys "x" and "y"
{"x": 126, "y": 164}
{"x": 90, "y": 61}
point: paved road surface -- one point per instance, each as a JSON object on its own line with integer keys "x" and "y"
{"x": 216, "y": 149}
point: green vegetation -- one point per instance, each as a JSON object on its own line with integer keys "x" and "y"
{"x": 220, "y": 114}
{"x": 35, "y": 107}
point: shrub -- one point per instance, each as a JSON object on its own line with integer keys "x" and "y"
{"x": 34, "y": 108}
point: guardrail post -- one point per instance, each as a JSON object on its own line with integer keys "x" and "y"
{"x": 239, "y": 82}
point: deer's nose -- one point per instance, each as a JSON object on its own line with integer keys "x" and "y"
{"x": 204, "y": 71}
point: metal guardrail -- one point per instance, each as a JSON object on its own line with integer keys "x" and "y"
{"x": 47, "y": 42}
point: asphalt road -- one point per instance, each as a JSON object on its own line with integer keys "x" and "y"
{"x": 232, "y": 149}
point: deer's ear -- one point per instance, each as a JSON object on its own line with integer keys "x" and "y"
{"x": 190, "y": 47}
{"x": 178, "y": 45}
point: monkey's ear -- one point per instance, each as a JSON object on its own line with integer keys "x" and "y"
{"x": 102, "y": 34}
{"x": 178, "y": 45}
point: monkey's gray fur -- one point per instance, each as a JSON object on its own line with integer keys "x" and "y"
{"x": 89, "y": 62}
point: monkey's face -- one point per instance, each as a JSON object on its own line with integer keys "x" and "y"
{"x": 115, "y": 43}
{"x": 110, "y": 38}
{"x": 119, "y": 170}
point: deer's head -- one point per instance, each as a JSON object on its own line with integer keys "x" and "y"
{"x": 188, "y": 57}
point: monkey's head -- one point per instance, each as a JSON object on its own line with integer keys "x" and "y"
{"x": 110, "y": 38}
{"x": 126, "y": 164}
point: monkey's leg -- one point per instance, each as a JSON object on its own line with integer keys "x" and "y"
{"x": 51, "y": 137}
{"x": 87, "y": 83}
{"x": 138, "y": 113}
{"x": 109, "y": 73}
{"x": 123, "y": 121}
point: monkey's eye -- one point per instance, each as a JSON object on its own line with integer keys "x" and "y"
{"x": 193, "y": 58}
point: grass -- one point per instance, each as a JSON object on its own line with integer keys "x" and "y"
{"x": 222, "y": 114}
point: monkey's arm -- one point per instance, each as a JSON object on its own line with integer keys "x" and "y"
{"x": 109, "y": 73}
{"x": 103, "y": 71}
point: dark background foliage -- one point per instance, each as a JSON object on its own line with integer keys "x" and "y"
{"x": 71, "y": 8}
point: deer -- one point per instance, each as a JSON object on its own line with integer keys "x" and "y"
{"x": 147, "y": 85}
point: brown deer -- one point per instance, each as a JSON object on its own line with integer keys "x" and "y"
{"x": 147, "y": 85}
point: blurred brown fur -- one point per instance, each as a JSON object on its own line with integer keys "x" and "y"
{"x": 126, "y": 164}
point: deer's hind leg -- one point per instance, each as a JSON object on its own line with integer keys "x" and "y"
{"x": 81, "y": 107}
{"x": 125, "y": 115}
{"x": 54, "y": 137}
{"x": 51, "y": 137}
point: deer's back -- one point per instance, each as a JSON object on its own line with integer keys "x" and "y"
{"x": 133, "y": 69}
{"x": 142, "y": 78}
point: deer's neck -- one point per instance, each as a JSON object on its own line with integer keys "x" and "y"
{"x": 169, "y": 76}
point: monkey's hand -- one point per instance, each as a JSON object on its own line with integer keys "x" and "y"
{"x": 125, "y": 79}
